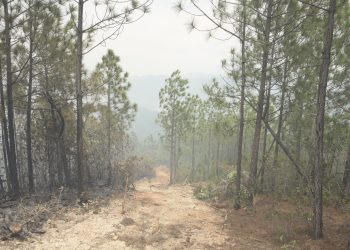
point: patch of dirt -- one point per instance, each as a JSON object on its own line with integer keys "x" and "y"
{"x": 127, "y": 221}
{"x": 157, "y": 216}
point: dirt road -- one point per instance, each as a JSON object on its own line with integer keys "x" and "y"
{"x": 157, "y": 217}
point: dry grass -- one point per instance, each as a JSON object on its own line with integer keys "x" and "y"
{"x": 288, "y": 225}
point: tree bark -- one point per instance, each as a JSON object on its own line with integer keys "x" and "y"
{"x": 172, "y": 148}
{"x": 260, "y": 109}
{"x": 10, "y": 110}
{"x": 79, "y": 96}
{"x": 280, "y": 124}
{"x": 50, "y": 161}
{"x": 65, "y": 165}
{"x": 176, "y": 154}
{"x": 217, "y": 157}
{"x": 209, "y": 153}
{"x": 346, "y": 177}
{"x": 4, "y": 150}
{"x": 5, "y": 139}
{"x": 299, "y": 129}
{"x": 109, "y": 134}
{"x": 193, "y": 162}
{"x": 319, "y": 121}
{"x": 266, "y": 111}
{"x": 241, "y": 111}
{"x": 29, "y": 108}
{"x": 266, "y": 116}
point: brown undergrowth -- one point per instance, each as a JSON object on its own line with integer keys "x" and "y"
{"x": 286, "y": 224}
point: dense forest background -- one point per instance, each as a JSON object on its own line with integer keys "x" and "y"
{"x": 278, "y": 122}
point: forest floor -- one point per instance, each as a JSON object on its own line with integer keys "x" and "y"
{"x": 158, "y": 216}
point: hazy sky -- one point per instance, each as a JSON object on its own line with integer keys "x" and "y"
{"x": 160, "y": 43}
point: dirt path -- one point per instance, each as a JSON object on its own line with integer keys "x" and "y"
{"x": 159, "y": 217}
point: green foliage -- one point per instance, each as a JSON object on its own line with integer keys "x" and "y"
{"x": 173, "y": 105}
{"x": 110, "y": 79}
{"x": 290, "y": 245}
{"x": 204, "y": 192}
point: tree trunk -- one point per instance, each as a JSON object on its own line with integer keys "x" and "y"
{"x": 10, "y": 111}
{"x": 260, "y": 109}
{"x": 321, "y": 102}
{"x": 8, "y": 182}
{"x": 5, "y": 139}
{"x": 79, "y": 94}
{"x": 172, "y": 148}
{"x": 109, "y": 134}
{"x": 64, "y": 160}
{"x": 280, "y": 124}
{"x": 56, "y": 147}
{"x": 299, "y": 129}
{"x": 266, "y": 112}
{"x": 176, "y": 155}
{"x": 217, "y": 158}
{"x": 50, "y": 161}
{"x": 263, "y": 163}
{"x": 266, "y": 116}
{"x": 193, "y": 164}
{"x": 29, "y": 109}
{"x": 241, "y": 112}
{"x": 346, "y": 178}
{"x": 209, "y": 154}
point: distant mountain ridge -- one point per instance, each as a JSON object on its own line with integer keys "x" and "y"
{"x": 145, "y": 124}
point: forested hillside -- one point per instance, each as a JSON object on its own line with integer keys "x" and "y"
{"x": 256, "y": 155}
{"x": 280, "y": 124}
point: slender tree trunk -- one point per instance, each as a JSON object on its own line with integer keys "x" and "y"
{"x": 21, "y": 176}
{"x": 10, "y": 110}
{"x": 209, "y": 154}
{"x": 172, "y": 146}
{"x": 321, "y": 103}
{"x": 64, "y": 160}
{"x": 266, "y": 112}
{"x": 61, "y": 150}
{"x": 49, "y": 158}
{"x": 299, "y": 129}
{"x": 217, "y": 158}
{"x": 171, "y": 160}
{"x": 299, "y": 135}
{"x": 263, "y": 163}
{"x": 79, "y": 94}
{"x": 241, "y": 112}
{"x": 346, "y": 178}
{"x": 109, "y": 135}
{"x": 2, "y": 189}
{"x": 193, "y": 165}
{"x": 57, "y": 148}
{"x": 260, "y": 109}
{"x": 29, "y": 109}
{"x": 266, "y": 115}
{"x": 5, "y": 158}
{"x": 176, "y": 155}
{"x": 280, "y": 124}
{"x": 5, "y": 139}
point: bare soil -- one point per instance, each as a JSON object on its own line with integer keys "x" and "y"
{"x": 156, "y": 217}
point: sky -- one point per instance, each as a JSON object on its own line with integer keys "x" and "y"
{"x": 160, "y": 43}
